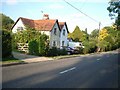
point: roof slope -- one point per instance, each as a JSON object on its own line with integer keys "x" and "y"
{"x": 42, "y": 25}
{"x": 61, "y": 24}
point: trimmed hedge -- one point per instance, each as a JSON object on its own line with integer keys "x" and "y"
{"x": 6, "y": 44}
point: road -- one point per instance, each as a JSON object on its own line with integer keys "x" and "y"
{"x": 89, "y": 71}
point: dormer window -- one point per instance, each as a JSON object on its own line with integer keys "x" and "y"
{"x": 19, "y": 28}
{"x": 55, "y": 30}
{"x": 64, "y": 32}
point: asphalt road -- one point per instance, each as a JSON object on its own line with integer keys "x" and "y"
{"x": 90, "y": 71}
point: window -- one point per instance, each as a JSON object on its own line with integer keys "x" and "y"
{"x": 55, "y": 30}
{"x": 19, "y": 28}
{"x": 54, "y": 43}
{"x": 64, "y": 32}
{"x": 63, "y": 43}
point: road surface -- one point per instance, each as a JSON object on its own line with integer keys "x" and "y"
{"x": 89, "y": 71}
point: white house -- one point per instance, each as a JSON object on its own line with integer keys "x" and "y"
{"x": 56, "y": 31}
{"x": 63, "y": 34}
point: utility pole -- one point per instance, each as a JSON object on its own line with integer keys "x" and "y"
{"x": 98, "y": 36}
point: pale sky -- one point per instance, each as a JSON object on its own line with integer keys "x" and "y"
{"x": 59, "y": 9}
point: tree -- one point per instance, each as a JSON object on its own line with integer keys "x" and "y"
{"x": 94, "y": 33}
{"x": 103, "y": 34}
{"x": 76, "y": 35}
{"x": 114, "y": 11}
{"x": 7, "y": 22}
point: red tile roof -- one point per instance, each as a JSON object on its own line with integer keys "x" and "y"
{"x": 61, "y": 24}
{"x": 43, "y": 25}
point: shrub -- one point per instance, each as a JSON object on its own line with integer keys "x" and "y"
{"x": 33, "y": 47}
{"x": 6, "y": 44}
{"x": 62, "y": 51}
{"x": 52, "y": 52}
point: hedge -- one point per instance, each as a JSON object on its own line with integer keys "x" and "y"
{"x": 6, "y": 44}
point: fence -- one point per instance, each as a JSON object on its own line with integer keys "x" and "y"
{"x": 23, "y": 47}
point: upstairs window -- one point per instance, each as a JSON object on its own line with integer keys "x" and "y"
{"x": 64, "y": 32}
{"x": 19, "y": 28}
{"x": 55, "y": 31}
{"x": 54, "y": 43}
{"x": 63, "y": 43}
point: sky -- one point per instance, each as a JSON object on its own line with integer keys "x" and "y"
{"x": 59, "y": 9}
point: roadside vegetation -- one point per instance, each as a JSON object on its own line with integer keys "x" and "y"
{"x": 106, "y": 39}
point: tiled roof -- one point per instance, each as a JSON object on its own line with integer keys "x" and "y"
{"x": 61, "y": 24}
{"x": 42, "y": 25}
{"x": 45, "y": 25}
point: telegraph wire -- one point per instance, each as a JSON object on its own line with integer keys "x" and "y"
{"x": 81, "y": 12}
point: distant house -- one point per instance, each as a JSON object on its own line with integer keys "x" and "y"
{"x": 57, "y": 31}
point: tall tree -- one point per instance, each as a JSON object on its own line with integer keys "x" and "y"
{"x": 77, "y": 34}
{"x": 114, "y": 11}
{"x": 94, "y": 33}
{"x": 7, "y": 22}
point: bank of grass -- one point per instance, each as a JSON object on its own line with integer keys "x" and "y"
{"x": 10, "y": 60}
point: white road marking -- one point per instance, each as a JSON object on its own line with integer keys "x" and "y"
{"x": 67, "y": 70}
{"x": 98, "y": 59}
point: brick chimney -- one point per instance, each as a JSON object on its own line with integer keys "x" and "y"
{"x": 45, "y": 16}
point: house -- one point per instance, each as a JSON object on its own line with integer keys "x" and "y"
{"x": 57, "y": 31}
{"x": 63, "y": 35}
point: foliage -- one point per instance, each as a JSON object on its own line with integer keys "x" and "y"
{"x": 103, "y": 34}
{"x": 109, "y": 39}
{"x": 52, "y": 52}
{"x": 43, "y": 44}
{"x": 77, "y": 35}
{"x": 55, "y": 52}
{"x": 7, "y": 22}
{"x": 94, "y": 33}
{"x": 6, "y": 44}
{"x": 33, "y": 47}
{"x": 62, "y": 52}
{"x": 114, "y": 9}
{"x": 33, "y": 37}
{"x": 90, "y": 46}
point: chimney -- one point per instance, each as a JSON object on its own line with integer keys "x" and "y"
{"x": 45, "y": 16}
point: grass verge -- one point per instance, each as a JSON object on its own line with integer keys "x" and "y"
{"x": 10, "y": 60}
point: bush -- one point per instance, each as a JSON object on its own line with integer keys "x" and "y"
{"x": 52, "y": 52}
{"x": 33, "y": 47}
{"x": 62, "y": 52}
{"x": 6, "y": 44}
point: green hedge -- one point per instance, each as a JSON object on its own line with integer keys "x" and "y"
{"x": 6, "y": 44}
{"x": 55, "y": 52}
{"x": 33, "y": 47}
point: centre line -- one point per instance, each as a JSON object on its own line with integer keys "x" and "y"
{"x": 67, "y": 70}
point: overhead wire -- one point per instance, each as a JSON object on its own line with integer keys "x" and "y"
{"x": 82, "y": 12}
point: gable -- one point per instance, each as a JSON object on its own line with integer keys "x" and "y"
{"x": 19, "y": 23}
{"x": 62, "y": 25}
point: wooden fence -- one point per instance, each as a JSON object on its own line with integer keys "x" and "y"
{"x": 23, "y": 47}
